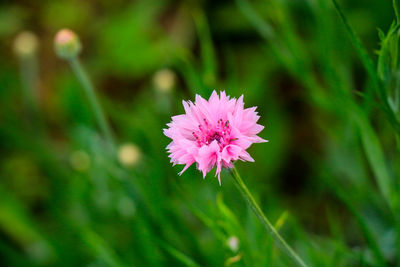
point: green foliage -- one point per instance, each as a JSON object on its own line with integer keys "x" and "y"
{"x": 328, "y": 180}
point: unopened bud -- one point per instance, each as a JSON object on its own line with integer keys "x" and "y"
{"x": 164, "y": 80}
{"x": 233, "y": 243}
{"x": 129, "y": 155}
{"x": 67, "y": 44}
{"x": 26, "y": 44}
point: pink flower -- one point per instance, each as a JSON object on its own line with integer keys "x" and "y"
{"x": 212, "y": 133}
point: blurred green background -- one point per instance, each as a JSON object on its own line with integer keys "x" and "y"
{"x": 328, "y": 179}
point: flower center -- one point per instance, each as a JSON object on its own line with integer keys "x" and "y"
{"x": 207, "y": 133}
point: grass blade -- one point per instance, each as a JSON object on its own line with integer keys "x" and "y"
{"x": 370, "y": 67}
{"x": 181, "y": 257}
{"x": 375, "y": 156}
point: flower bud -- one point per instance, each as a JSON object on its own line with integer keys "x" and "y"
{"x": 67, "y": 44}
{"x": 233, "y": 243}
{"x": 164, "y": 80}
{"x": 129, "y": 155}
{"x": 25, "y": 44}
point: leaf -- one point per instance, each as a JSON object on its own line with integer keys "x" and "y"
{"x": 100, "y": 248}
{"x": 207, "y": 50}
{"x": 281, "y": 220}
{"x": 232, "y": 222}
{"x": 183, "y": 258}
{"x": 233, "y": 259}
{"x": 364, "y": 227}
{"x": 374, "y": 154}
{"x": 369, "y": 66}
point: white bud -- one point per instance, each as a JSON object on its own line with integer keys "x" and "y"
{"x": 233, "y": 243}
{"x": 25, "y": 44}
{"x": 164, "y": 80}
{"x": 129, "y": 154}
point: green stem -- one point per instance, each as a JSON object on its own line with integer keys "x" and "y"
{"x": 260, "y": 215}
{"x": 91, "y": 95}
{"x": 396, "y": 10}
{"x": 29, "y": 79}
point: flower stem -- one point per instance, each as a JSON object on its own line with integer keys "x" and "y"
{"x": 29, "y": 79}
{"x": 91, "y": 95}
{"x": 396, "y": 10}
{"x": 260, "y": 215}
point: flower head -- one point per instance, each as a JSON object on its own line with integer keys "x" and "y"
{"x": 212, "y": 133}
{"x": 67, "y": 44}
{"x": 26, "y": 44}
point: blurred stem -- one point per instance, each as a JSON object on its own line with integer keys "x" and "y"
{"x": 206, "y": 46}
{"x": 396, "y": 10}
{"x": 261, "y": 216}
{"x": 94, "y": 102}
{"x": 265, "y": 29}
{"x": 29, "y": 79}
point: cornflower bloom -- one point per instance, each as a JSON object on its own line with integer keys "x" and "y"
{"x": 212, "y": 133}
